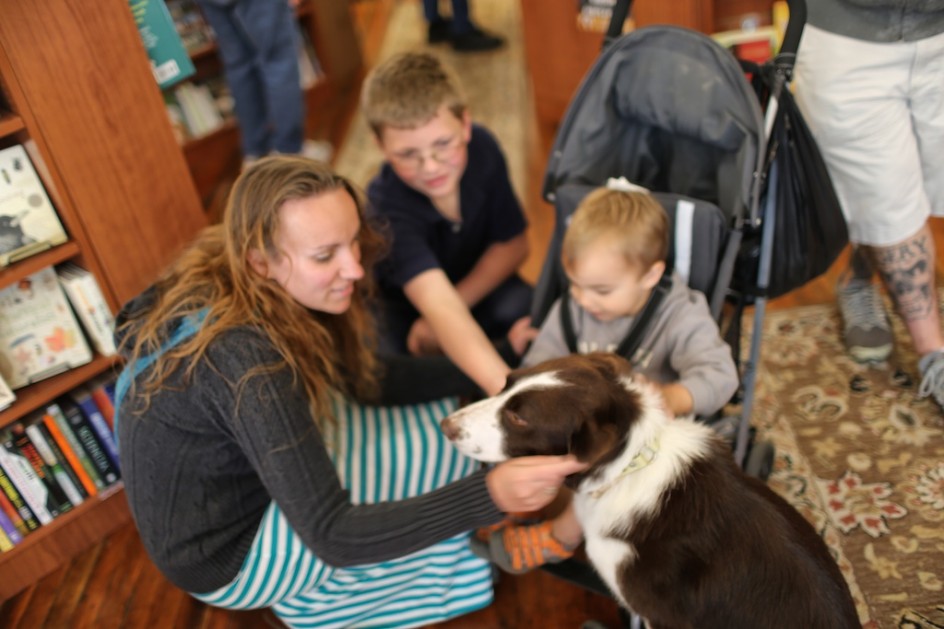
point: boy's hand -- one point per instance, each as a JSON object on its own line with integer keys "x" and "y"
{"x": 521, "y": 334}
{"x": 421, "y": 341}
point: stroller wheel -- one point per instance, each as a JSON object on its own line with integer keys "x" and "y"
{"x": 759, "y": 462}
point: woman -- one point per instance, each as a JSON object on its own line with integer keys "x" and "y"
{"x": 246, "y": 463}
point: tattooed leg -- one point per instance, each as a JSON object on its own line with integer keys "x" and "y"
{"x": 907, "y": 270}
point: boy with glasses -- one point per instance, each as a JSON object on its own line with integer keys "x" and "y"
{"x": 450, "y": 283}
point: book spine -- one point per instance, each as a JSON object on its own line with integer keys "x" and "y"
{"x": 25, "y": 481}
{"x": 56, "y": 500}
{"x": 105, "y": 404}
{"x": 90, "y": 306}
{"x": 11, "y": 511}
{"x": 5, "y": 543}
{"x": 10, "y": 530}
{"x": 82, "y": 429}
{"x": 83, "y": 398}
{"x": 59, "y": 428}
{"x": 55, "y": 463}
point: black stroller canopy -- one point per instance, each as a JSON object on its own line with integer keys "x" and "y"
{"x": 670, "y": 110}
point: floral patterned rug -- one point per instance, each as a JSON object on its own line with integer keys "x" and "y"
{"x": 861, "y": 458}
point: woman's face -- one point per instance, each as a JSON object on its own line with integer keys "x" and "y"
{"x": 320, "y": 256}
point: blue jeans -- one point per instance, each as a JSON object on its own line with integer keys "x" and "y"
{"x": 460, "y": 15}
{"x": 258, "y": 45}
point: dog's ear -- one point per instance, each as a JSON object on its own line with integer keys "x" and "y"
{"x": 592, "y": 442}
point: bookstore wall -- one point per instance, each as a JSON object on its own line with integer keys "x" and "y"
{"x": 95, "y": 199}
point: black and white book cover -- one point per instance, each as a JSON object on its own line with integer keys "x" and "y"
{"x": 28, "y": 221}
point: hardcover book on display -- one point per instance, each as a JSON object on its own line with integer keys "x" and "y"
{"x": 28, "y": 221}
{"x": 39, "y": 335}
{"x": 170, "y": 62}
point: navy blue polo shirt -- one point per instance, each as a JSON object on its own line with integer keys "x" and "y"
{"x": 424, "y": 239}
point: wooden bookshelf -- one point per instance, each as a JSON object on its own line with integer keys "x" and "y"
{"x": 87, "y": 100}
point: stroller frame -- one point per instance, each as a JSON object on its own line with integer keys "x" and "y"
{"x": 750, "y": 211}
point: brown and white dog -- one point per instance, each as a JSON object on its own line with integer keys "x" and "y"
{"x": 678, "y": 532}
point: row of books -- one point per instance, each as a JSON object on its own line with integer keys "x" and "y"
{"x": 54, "y": 459}
{"x": 40, "y": 333}
{"x": 197, "y": 109}
{"x": 190, "y": 24}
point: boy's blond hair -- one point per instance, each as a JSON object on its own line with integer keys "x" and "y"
{"x": 634, "y": 221}
{"x": 406, "y": 91}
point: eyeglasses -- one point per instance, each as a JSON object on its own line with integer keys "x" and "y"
{"x": 442, "y": 152}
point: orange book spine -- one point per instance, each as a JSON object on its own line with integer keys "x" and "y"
{"x": 104, "y": 405}
{"x": 72, "y": 459}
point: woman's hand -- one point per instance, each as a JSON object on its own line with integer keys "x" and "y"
{"x": 529, "y": 483}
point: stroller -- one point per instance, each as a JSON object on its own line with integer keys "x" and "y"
{"x": 669, "y": 109}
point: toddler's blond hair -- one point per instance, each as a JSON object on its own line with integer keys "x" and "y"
{"x": 634, "y": 221}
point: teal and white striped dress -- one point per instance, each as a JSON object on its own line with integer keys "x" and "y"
{"x": 382, "y": 454}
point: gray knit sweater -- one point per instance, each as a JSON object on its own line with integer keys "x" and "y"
{"x": 682, "y": 343}
{"x": 878, "y": 20}
{"x": 200, "y": 468}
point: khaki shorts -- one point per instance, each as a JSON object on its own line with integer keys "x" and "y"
{"x": 877, "y": 112}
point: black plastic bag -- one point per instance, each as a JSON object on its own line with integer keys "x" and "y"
{"x": 809, "y": 230}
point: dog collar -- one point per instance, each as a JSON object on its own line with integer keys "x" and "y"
{"x": 643, "y": 458}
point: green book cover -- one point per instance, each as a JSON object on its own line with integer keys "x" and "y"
{"x": 170, "y": 62}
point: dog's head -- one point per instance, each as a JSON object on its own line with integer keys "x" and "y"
{"x": 581, "y": 405}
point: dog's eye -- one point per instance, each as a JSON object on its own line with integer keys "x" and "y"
{"x": 514, "y": 418}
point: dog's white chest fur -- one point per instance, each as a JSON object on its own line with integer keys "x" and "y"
{"x": 633, "y": 487}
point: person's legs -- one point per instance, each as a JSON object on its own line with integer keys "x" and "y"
{"x": 859, "y": 108}
{"x": 242, "y": 75}
{"x": 270, "y": 26}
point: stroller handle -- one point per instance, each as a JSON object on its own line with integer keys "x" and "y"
{"x": 791, "y": 38}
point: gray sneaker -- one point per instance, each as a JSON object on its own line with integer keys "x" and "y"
{"x": 867, "y": 332}
{"x": 932, "y": 376}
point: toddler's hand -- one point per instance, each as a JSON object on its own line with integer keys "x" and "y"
{"x": 521, "y": 334}
{"x": 422, "y": 341}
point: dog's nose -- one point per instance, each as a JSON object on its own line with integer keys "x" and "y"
{"x": 450, "y": 428}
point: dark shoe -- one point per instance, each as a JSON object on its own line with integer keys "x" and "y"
{"x": 476, "y": 40}
{"x": 439, "y": 31}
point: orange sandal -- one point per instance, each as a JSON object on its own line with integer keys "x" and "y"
{"x": 520, "y": 548}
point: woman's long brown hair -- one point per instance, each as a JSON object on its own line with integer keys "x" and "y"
{"x": 326, "y": 352}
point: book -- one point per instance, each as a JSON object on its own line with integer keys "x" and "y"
{"x": 65, "y": 459}
{"x": 89, "y": 304}
{"x": 170, "y": 62}
{"x": 57, "y": 502}
{"x": 39, "y": 335}
{"x": 13, "y": 535}
{"x": 5, "y": 543}
{"x": 82, "y": 396}
{"x": 24, "y": 479}
{"x": 57, "y": 464}
{"x": 55, "y": 422}
{"x": 89, "y": 441}
{"x": 28, "y": 221}
{"x": 10, "y": 510}
{"x": 7, "y": 397}
{"x": 99, "y": 388}
{"x": 191, "y": 26}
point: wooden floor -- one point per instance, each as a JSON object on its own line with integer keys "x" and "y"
{"x": 115, "y": 585}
